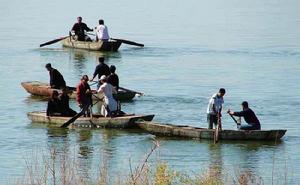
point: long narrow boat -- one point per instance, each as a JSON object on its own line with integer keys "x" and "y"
{"x": 43, "y": 89}
{"x": 92, "y": 46}
{"x": 203, "y": 133}
{"x": 98, "y": 121}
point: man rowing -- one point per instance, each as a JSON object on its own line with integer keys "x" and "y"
{"x": 249, "y": 117}
{"x": 56, "y": 79}
{"x": 102, "y": 32}
{"x": 79, "y": 29}
{"x": 214, "y": 108}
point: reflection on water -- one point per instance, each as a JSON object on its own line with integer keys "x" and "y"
{"x": 85, "y": 148}
{"x": 215, "y": 161}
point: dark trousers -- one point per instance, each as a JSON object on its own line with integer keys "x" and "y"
{"x": 212, "y": 120}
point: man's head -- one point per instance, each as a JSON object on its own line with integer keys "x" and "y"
{"x": 245, "y": 105}
{"x": 103, "y": 79}
{"x": 65, "y": 90}
{"x": 85, "y": 78}
{"x": 101, "y": 21}
{"x": 221, "y": 92}
{"x": 101, "y": 59}
{"x": 54, "y": 95}
{"x": 79, "y": 19}
{"x": 48, "y": 66}
{"x": 112, "y": 69}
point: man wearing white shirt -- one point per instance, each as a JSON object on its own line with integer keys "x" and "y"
{"x": 102, "y": 32}
{"x": 214, "y": 108}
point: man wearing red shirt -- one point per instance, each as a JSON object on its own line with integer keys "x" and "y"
{"x": 84, "y": 95}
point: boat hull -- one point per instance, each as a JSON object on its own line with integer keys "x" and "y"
{"x": 127, "y": 121}
{"x": 203, "y": 133}
{"x": 43, "y": 89}
{"x": 92, "y": 46}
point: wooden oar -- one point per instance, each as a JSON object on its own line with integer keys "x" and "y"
{"x": 73, "y": 119}
{"x": 128, "y": 42}
{"x": 139, "y": 93}
{"x": 66, "y": 124}
{"x": 237, "y": 124}
{"x": 52, "y": 41}
{"x": 123, "y": 41}
{"x": 217, "y": 130}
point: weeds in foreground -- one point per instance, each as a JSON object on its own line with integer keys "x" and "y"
{"x": 60, "y": 169}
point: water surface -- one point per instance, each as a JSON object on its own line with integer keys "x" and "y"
{"x": 193, "y": 48}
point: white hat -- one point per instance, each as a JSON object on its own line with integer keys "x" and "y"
{"x": 103, "y": 77}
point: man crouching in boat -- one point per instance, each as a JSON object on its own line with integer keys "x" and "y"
{"x": 79, "y": 28}
{"x": 110, "y": 104}
{"x": 64, "y": 104}
{"x": 53, "y": 107}
{"x": 249, "y": 117}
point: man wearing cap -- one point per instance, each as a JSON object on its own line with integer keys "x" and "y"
{"x": 110, "y": 103}
{"x": 249, "y": 117}
{"x": 214, "y": 108}
{"x": 113, "y": 78}
{"x": 84, "y": 94}
{"x": 79, "y": 29}
{"x": 101, "y": 69}
{"x": 56, "y": 79}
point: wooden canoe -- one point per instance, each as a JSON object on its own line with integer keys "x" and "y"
{"x": 92, "y": 46}
{"x": 204, "y": 133}
{"x": 98, "y": 121}
{"x": 43, "y": 89}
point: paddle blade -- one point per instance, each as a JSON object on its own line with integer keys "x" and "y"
{"x": 128, "y": 42}
{"x": 52, "y": 41}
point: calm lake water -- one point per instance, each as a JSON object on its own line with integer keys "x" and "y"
{"x": 192, "y": 48}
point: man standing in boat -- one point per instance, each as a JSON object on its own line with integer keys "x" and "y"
{"x": 249, "y": 117}
{"x": 84, "y": 95}
{"x": 101, "y": 69}
{"x": 56, "y": 79}
{"x": 102, "y": 32}
{"x": 113, "y": 78}
{"x": 79, "y": 29}
{"x": 214, "y": 108}
{"x": 110, "y": 104}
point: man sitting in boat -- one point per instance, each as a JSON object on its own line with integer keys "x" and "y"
{"x": 101, "y": 69}
{"x": 110, "y": 104}
{"x": 249, "y": 117}
{"x": 84, "y": 95}
{"x": 79, "y": 28}
{"x": 102, "y": 32}
{"x": 113, "y": 78}
{"x": 56, "y": 79}
{"x": 53, "y": 107}
{"x": 64, "y": 104}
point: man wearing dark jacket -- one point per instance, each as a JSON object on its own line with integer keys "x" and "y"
{"x": 79, "y": 29}
{"x": 101, "y": 69}
{"x": 56, "y": 79}
{"x": 113, "y": 78}
{"x": 249, "y": 116}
